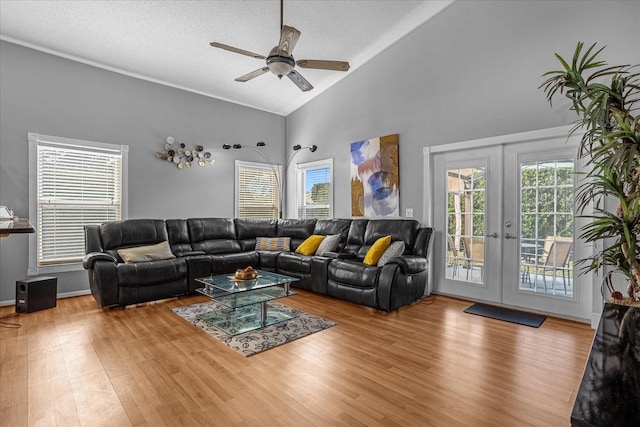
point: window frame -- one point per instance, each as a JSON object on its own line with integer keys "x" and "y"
{"x": 35, "y": 140}
{"x": 274, "y": 169}
{"x": 301, "y": 170}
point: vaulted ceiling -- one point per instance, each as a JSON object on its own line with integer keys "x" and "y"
{"x": 168, "y": 41}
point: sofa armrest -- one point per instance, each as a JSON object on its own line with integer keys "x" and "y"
{"x": 410, "y": 264}
{"x": 90, "y": 258}
{"x": 103, "y": 278}
{"x": 198, "y": 266}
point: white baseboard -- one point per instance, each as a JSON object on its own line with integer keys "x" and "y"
{"x": 59, "y": 296}
{"x": 595, "y": 320}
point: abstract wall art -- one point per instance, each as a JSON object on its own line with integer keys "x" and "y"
{"x": 375, "y": 184}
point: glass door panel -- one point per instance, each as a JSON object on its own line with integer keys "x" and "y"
{"x": 467, "y": 210}
{"x": 465, "y": 224}
{"x": 546, "y": 227}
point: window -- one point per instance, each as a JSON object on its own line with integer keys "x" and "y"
{"x": 257, "y": 190}
{"x": 72, "y": 184}
{"x": 314, "y": 195}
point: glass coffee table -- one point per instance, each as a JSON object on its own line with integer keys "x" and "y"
{"x": 246, "y": 302}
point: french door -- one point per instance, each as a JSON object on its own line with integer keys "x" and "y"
{"x": 505, "y": 225}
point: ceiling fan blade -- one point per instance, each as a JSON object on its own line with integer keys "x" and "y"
{"x": 253, "y": 74}
{"x": 300, "y": 81}
{"x": 288, "y": 38}
{"x": 236, "y": 50}
{"x": 323, "y": 65}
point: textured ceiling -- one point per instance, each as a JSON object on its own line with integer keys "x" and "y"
{"x": 168, "y": 41}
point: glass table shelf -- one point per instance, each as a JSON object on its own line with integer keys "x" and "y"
{"x": 248, "y": 298}
{"x": 247, "y": 318}
{"x": 246, "y": 301}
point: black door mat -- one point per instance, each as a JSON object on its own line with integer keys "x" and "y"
{"x": 506, "y": 314}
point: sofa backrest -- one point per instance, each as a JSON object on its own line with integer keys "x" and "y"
{"x": 213, "y": 235}
{"x": 327, "y": 227}
{"x": 297, "y": 229}
{"x": 178, "y": 232}
{"x": 363, "y": 233}
{"x": 355, "y": 238}
{"x": 248, "y": 229}
{"x": 227, "y": 235}
{"x": 131, "y": 232}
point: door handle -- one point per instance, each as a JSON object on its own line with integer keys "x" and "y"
{"x": 509, "y": 236}
{"x": 493, "y": 235}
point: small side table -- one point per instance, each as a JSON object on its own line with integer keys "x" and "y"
{"x": 16, "y": 225}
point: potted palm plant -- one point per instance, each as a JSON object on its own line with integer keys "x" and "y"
{"x": 606, "y": 99}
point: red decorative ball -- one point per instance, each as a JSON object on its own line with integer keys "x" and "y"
{"x": 616, "y": 295}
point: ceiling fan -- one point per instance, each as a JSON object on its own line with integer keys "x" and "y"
{"x": 280, "y": 60}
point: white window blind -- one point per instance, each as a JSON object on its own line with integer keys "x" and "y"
{"x": 76, "y": 186}
{"x": 256, "y": 191}
{"x": 314, "y": 193}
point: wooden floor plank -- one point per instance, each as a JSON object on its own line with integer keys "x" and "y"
{"x": 428, "y": 364}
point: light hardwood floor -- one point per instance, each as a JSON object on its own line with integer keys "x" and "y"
{"x": 428, "y": 364}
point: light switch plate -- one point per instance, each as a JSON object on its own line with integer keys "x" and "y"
{"x": 408, "y": 212}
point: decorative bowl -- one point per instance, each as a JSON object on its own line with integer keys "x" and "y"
{"x": 245, "y": 275}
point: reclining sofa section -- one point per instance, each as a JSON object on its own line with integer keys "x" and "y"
{"x": 200, "y": 247}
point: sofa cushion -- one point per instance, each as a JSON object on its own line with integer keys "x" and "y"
{"x": 399, "y": 229}
{"x": 310, "y": 245}
{"x": 273, "y": 243}
{"x": 328, "y": 244}
{"x": 395, "y": 249}
{"x": 353, "y": 273}
{"x": 376, "y": 250}
{"x": 297, "y": 229}
{"x": 131, "y": 232}
{"x": 178, "y": 233}
{"x": 213, "y": 235}
{"x": 155, "y": 252}
{"x": 333, "y": 226}
{"x": 151, "y": 273}
{"x": 230, "y": 262}
{"x": 249, "y": 229}
{"x": 294, "y": 263}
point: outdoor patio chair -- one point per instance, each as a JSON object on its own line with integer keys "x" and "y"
{"x": 557, "y": 258}
{"x": 455, "y": 259}
{"x": 474, "y": 254}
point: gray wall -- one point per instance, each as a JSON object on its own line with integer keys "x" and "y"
{"x": 53, "y": 96}
{"x": 471, "y": 72}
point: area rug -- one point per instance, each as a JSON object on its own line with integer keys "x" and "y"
{"x": 508, "y": 315}
{"x": 254, "y": 342}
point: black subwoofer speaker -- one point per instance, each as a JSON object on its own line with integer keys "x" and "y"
{"x": 36, "y": 293}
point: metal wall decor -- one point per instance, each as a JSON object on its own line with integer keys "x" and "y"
{"x": 178, "y": 154}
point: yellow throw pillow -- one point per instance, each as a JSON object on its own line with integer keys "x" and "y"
{"x": 376, "y": 250}
{"x": 159, "y": 251}
{"x": 310, "y": 245}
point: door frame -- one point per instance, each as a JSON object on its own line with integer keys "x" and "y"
{"x": 530, "y": 136}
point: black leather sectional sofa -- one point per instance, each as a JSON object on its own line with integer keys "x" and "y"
{"x": 206, "y": 246}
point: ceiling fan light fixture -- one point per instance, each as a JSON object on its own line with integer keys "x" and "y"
{"x": 279, "y": 65}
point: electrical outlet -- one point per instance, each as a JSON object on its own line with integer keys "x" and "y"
{"x": 408, "y": 212}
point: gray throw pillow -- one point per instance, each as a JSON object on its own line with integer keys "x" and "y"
{"x": 155, "y": 252}
{"x": 395, "y": 249}
{"x": 328, "y": 244}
